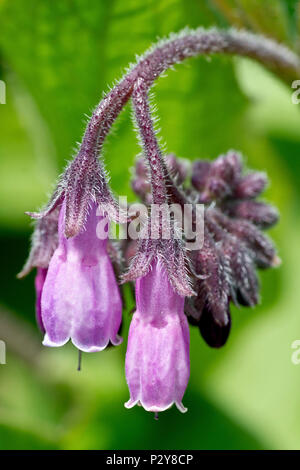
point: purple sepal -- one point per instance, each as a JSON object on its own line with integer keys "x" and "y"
{"x": 172, "y": 255}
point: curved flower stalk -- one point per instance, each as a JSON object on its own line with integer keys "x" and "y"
{"x": 188, "y": 43}
{"x": 77, "y": 293}
{"x": 157, "y": 358}
{"x": 80, "y": 298}
{"x": 84, "y": 179}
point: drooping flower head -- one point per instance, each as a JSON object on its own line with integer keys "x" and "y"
{"x": 77, "y": 293}
{"x": 224, "y": 269}
{"x": 234, "y": 245}
{"x": 157, "y": 358}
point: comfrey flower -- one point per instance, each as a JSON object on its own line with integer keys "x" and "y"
{"x": 80, "y": 298}
{"x": 77, "y": 293}
{"x": 157, "y": 359}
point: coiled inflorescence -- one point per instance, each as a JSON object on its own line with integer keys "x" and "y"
{"x": 78, "y": 296}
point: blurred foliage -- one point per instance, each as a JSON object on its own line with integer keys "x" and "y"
{"x": 57, "y": 58}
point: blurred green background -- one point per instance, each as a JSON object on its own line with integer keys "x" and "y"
{"x": 56, "y": 59}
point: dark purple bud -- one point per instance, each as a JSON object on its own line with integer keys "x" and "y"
{"x": 243, "y": 279}
{"x": 200, "y": 172}
{"x": 214, "y": 333}
{"x": 262, "y": 246}
{"x": 178, "y": 167}
{"x": 245, "y": 284}
{"x": 258, "y": 213}
{"x": 243, "y": 300}
{"x": 251, "y": 185}
{"x": 228, "y": 167}
{"x": 259, "y": 244}
{"x": 213, "y": 289}
{"x": 192, "y": 314}
{"x": 216, "y": 188}
{"x": 223, "y": 175}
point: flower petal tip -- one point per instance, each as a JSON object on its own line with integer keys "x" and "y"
{"x": 276, "y": 262}
{"x": 181, "y": 407}
{"x": 53, "y": 344}
{"x": 117, "y": 341}
{"x": 130, "y": 403}
{"x": 155, "y": 408}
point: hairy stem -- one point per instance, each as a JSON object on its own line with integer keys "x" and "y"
{"x": 149, "y": 141}
{"x": 277, "y": 58}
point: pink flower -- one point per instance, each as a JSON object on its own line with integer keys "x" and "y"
{"x": 81, "y": 299}
{"x": 157, "y": 359}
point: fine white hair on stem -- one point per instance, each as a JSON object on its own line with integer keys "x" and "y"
{"x": 176, "y": 48}
{"x": 158, "y": 59}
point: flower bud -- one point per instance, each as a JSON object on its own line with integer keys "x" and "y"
{"x": 258, "y": 213}
{"x": 214, "y": 333}
{"x": 251, "y": 185}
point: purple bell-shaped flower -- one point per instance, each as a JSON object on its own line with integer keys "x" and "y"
{"x": 157, "y": 359}
{"x": 80, "y": 298}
